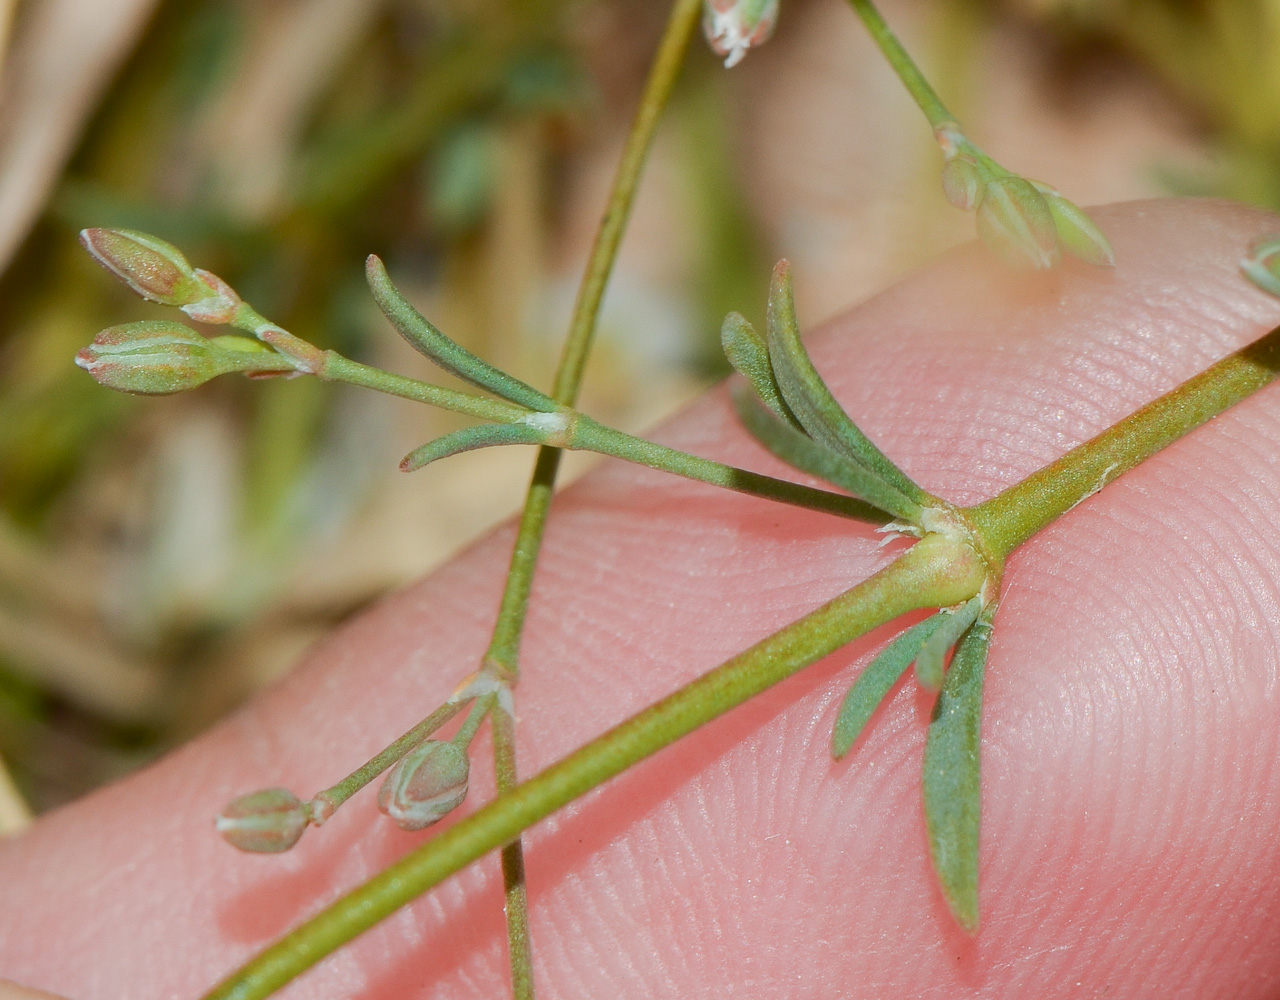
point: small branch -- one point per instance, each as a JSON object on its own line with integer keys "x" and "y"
{"x": 935, "y": 572}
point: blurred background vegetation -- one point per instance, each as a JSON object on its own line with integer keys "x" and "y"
{"x": 160, "y": 559}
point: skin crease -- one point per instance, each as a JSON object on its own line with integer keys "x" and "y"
{"x": 1131, "y": 720}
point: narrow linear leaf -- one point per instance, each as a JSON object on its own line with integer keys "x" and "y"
{"x": 952, "y": 776}
{"x": 450, "y": 356}
{"x": 749, "y": 356}
{"x": 469, "y": 439}
{"x": 929, "y": 662}
{"x": 875, "y": 682}
{"x": 810, "y": 399}
{"x": 804, "y": 453}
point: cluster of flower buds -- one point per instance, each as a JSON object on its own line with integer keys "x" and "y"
{"x": 1026, "y": 222}
{"x": 161, "y": 357}
{"x": 734, "y": 26}
{"x": 429, "y": 782}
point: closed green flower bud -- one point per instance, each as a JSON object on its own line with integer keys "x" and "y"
{"x": 962, "y": 183}
{"x": 265, "y": 822}
{"x": 1077, "y": 233}
{"x": 158, "y": 357}
{"x": 1015, "y": 221}
{"x": 428, "y": 783}
{"x": 734, "y": 26}
{"x": 154, "y": 269}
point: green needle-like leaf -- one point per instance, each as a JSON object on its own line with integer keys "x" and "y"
{"x": 749, "y": 355}
{"x": 952, "y": 776}
{"x": 929, "y": 662}
{"x": 450, "y": 356}
{"x": 875, "y": 682}
{"x": 469, "y": 439}
{"x": 810, "y": 399}
{"x": 804, "y": 453}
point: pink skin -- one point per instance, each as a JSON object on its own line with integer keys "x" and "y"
{"x": 1130, "y": 733}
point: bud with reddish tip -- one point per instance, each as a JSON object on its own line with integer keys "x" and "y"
{"x": 428, "y": 782}
{"x": 265, "y": 822}
{"x": 154, "y": 269}
{"x": 734, "y": 26}
{"x": 156, "y": 358}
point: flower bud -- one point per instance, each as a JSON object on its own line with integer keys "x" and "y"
{"x": 734, "y": 26}
{"x": 265, "y": 822}
{"x": 1015, "y": 221}
{"x": 1262, "y": 266}
{"x": 154, "y": 269}
{"x": 962, "y": 183}
{"x": 1077, "y": 233}
{"x": 427, "y": 783}
{"x": 157, "y": 357}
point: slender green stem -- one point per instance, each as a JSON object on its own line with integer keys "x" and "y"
{"x": 471, "y": 724}
{"x": 588, "y": 435}
{"x": 908, "y": 72}
{"x": 1008, "y": 520}
{"x": 519, "y": 948}
{"x": 504, "y": 646}
{"x": 334, "y": 796}
{"x": 936, "y": 571}
{"x": 336, "y": 368}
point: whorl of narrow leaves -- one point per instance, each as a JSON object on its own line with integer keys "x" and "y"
{"x": 952, "y": 776}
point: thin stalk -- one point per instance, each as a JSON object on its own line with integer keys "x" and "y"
{"x": 504, "y": 646}
{"x": 337, "y": 794}
{"x": 519, "y": 948}
{"x": 936, "y": 571}
{"x": 1008, "y": 520}
{"x": 908, "y": 72}
{"x": 336, "y": 368}
{"x": 588, "y": 435}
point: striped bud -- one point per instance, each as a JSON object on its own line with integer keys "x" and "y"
{"x": 1015, "y": 221}
{"x": 428, "y": 782}
{"x": 1077, "y": 233}
{"x": 157, "y": 357}
{"x": 265, "y": 822}
{"x": 154, "y": 269}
